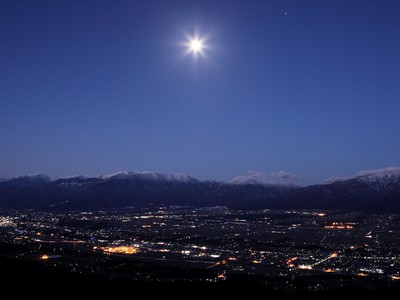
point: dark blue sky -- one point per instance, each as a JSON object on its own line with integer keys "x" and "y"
{"x": 93, "y": 87}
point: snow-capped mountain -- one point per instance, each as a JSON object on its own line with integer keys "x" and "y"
{"x": 280, "y": 178}
{"x": 379, "y": 180}
{"x": 135, "y": 189}
{"x": 376, "y": 191}
{"x": 28, "y": 177}
{"x": 250, "y": 180}
{"x": 26, "y": 180}
{"x": 370, "y": 191}
{"x": 152, "y": 176}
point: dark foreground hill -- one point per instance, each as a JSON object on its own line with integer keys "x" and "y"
{"x": 39, "y": 280}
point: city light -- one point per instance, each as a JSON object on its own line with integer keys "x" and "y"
{"x": 120, "y": 250}
{"x": 340, "y": 225}
{"x": 305, "y": 267}
{"x": 221, "y": 276}
{"x": 328, "y": 270}
{"x": 251, "y": 246}
{"x": 290, "y": 260}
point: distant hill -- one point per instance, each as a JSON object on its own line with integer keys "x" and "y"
{"x": 374, "y": 191}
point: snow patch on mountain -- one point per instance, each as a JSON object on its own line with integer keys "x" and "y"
{"x": 379, "y": 180}
{"x": 391, "y": 171}
{"x": 75, "y": 177}
{"x": 152, "y": 176}
{"x": 257, "y": 178}
{"x": 28, "y": 178}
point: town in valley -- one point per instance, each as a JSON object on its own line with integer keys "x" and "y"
{"x": 286, "y": 250}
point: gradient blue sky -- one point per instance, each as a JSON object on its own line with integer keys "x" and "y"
{"x": 93, "y": 87}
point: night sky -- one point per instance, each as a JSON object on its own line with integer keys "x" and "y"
{"x": 95, "y": 87}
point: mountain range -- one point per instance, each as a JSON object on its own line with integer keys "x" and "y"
{"x": 376, "y": 191}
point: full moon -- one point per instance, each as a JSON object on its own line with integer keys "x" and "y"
{"x": 196, "y": 46}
